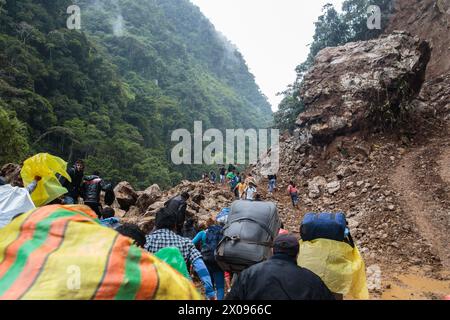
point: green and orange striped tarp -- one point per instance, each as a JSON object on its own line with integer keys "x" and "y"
{"x": 63, "y": 252}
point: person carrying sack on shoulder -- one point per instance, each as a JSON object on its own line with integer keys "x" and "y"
{"x": 178, "y": 205}
{"x": 279, "y": 277}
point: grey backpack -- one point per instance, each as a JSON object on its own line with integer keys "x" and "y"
{"x": 248, "y": 235}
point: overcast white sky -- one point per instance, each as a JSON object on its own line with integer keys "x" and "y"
{"x": 271, "y": 34}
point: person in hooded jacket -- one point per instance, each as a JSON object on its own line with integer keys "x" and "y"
{"x": 90, "y": 191}
{"x": 280, "y": 278}
{"x": 73, "y": 187}
{"x": 177, "y": 206}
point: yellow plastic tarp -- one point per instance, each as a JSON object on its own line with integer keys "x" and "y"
{"x": 340, "y": 266}
{"x": 46, "y": 166}
{"x": 63, "y": 253}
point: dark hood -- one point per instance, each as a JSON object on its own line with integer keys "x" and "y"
{"x": 77, "y": 173}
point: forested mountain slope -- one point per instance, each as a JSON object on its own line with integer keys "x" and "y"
{"x": 113, "y": 92}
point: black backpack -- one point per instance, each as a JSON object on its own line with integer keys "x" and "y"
{"x": 213, "y": 236}
{"x": 164, "y": 215}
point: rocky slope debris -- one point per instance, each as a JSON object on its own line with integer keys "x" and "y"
{"x": 205, "y": 202}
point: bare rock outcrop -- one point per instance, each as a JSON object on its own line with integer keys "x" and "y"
{"x": 148, "y": 197}
{"x": 351, "y": 82}
{"x": 125, "y": 195}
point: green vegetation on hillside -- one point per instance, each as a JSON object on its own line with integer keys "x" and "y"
{"x": 113, "y": 92}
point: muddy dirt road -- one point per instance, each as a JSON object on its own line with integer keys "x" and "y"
{"x": 423, "y": 182}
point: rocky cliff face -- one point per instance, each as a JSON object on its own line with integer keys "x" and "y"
{"x": 345, "y": 91}
{"x": 430, "y": 20}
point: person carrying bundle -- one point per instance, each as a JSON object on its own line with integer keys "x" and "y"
{"x": 327, "y": 249}
{"x": 63, "y": 253}
{"x": 279, "y": 278}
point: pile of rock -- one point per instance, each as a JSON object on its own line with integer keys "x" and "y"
{"x": 140, "y": 207}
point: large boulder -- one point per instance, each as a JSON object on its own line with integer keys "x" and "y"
{"x": 349, "y": 83}
{"x": 125, "y": 195}
{"x": 315, "y": 187}
{"x": 154, "y": 208}
{"x": 148, "y": 197}
{"x": 147, "y": 224}
{"x": 133, "y": 212}
{"x": 197, "y": 196}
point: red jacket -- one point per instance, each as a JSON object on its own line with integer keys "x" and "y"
{"x": 292, "y": 189}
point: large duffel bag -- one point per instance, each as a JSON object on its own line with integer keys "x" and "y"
{"x": 248, "y": 235}
{"x": 54, "y": 253}
{"x": 330, "y": 226}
